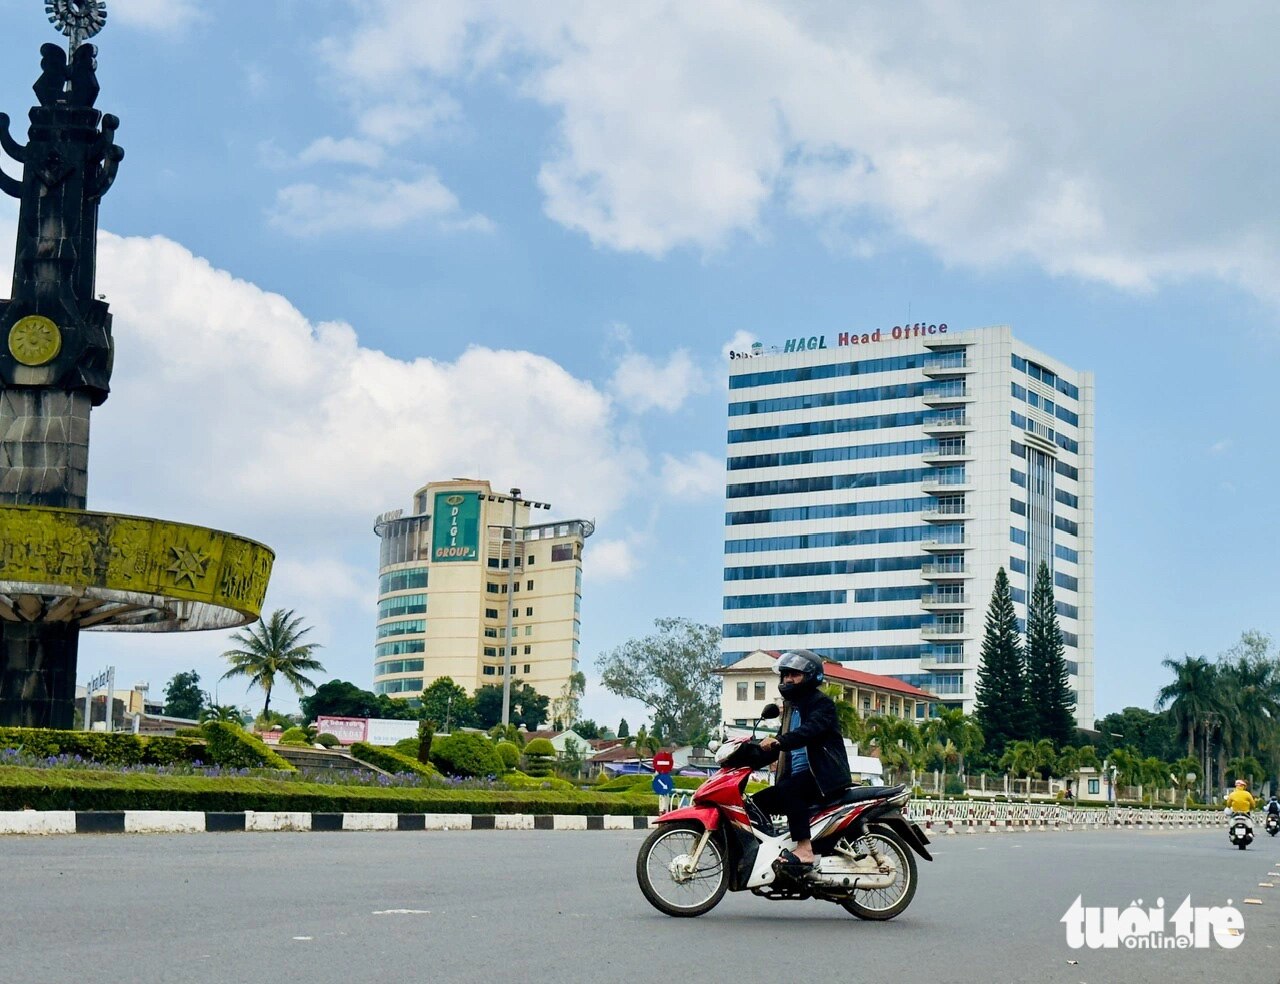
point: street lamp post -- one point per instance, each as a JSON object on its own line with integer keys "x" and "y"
{"x": 511, "y": 572}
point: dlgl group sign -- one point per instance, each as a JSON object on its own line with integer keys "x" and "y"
{"x": 455, "y": 527}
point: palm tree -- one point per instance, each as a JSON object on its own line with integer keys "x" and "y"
{"x": 1022, "y": 758}
{"x": 960, "y": 729}
{"x": 220, "y": 712}
{"x": 272, "y": 649}
{"x": 852, "y": 726}
{"x": 1191, "y": 697}
{"x": 896, "y": 739}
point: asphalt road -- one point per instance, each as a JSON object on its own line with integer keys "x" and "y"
{"x": 563, "y": 906}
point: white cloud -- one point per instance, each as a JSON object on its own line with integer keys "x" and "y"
{"x": 610, "y": 560}
{"x": 348, "y": 150}
{"x": 166, "y": 16}
{"x": 252, "y": 411}
{"x": 392, "y": 123}
{"x": 1071, "y": 147}
{"x": 641, "y": 383}
{"x": 696, "y": 476}
{"x": 1218, "y": 447}
{"x": 369, "y": 203}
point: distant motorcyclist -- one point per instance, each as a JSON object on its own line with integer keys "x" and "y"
{"x": 1240, "y": 800}
{"x": 1273, "y": 807}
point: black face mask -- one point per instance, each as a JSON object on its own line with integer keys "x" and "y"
{"x": 792, "y": 690}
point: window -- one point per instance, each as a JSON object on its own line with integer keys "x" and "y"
{"x": 488, "y": 671}
{"x": 529, "y": 560}
{"x": 528, "y": 611}
{"x": 742, "y": 690}
{"x": 491, "y": 613}
{"x": 526, "y": 665}
{"x": 561, "y": 551}
{"x": 490, "y": 651}
{"x": 1093, "y": 787}
{"x": 527, "y": 651}
{"x": 759, "y": 690}
{"x": 528, "y": 630}
{"x": 529, "y": 586}
{"x": 491, "y": 588}
{"x": 490, "y": 633}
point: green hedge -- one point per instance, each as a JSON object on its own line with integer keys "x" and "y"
{"x": 116, "y": 748}
{"x": 389, "y": 760}
{"x": 59, "y": 789}
{"x": 235, "y": 748}
{"x": 518, "y": 780}
{"x": 622, "y": 784}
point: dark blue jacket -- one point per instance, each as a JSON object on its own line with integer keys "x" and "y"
{"x": 819, "y": 735}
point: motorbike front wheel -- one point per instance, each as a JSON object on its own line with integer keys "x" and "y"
{"x": 885, "y": 903}
{"x": 663, "y": 873}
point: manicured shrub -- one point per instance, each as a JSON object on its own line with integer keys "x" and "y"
{"x": 518, "y": 780}
{"x": 328, "y": 740}
{"x": 389, "y": 760}
{"x": 540, "y": 757}
{"x": 407, "y": 746}
{"x": 294, "y": 736}
{"x": 234, "y": 748}
{"x": 465, "y": 754}
{"x": 509, "y": 754}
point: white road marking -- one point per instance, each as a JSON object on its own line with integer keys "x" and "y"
{"x": 402, "y": 912}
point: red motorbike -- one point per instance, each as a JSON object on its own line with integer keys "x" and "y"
{"x": 724, "y": 842}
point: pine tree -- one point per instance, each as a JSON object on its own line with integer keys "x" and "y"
{"x": 623, "y": 730}
{"x": 1050, "y": 698}
{"x": 1001, "y": 704}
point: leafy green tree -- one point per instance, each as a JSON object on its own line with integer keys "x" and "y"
{"x": 672, "y": 673}
{"x": 528, "y": 707}
{"x": 1146, "y": 731}
{"x": 274, "y": 649}
{"x": 624, "y": 729}
{"x": 338, "y": 698}
{"x": 183, "y": 697}
{"x": 448, "y": 703}
{"x": 570, "y": 761}
{"x": 1050, "y": 700}
{"x": 1001, "y": 692}
{"x": 588, "y": 729}
{"x": 568, "y": 706}
{"x": 643, "y": 741}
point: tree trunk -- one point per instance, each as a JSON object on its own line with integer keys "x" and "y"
{"x": 266, "y": 706}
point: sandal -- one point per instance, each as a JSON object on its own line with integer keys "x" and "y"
{"x": 788, "y": 860}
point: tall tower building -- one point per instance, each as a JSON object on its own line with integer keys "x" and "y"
{"x": 877, "y": 481}
{"x": 450, "y": 582}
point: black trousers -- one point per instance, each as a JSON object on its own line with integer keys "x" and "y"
{"x": 793, "y": 797}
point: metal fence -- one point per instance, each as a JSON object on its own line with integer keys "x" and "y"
{"x": 971, "y": 816}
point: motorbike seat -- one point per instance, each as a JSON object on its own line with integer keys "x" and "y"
{"x": 856, "y": 794}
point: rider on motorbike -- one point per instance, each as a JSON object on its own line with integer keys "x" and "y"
{"x": 1240, "y": 800}
{"x": 1273, "y": 807}
{"x": 814, "y": 768}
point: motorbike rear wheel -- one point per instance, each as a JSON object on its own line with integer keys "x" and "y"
{"x": 671, "y": 890}
{"x": 880, "y": 904}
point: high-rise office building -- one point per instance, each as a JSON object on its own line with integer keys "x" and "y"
{"x": 877, "y": 481}
{"x": 450, "y": 582}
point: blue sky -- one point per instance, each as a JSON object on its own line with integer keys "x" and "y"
{"x": 357, "y": 246}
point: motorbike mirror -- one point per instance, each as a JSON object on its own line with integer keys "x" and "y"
{"x": 770, "y": 711}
